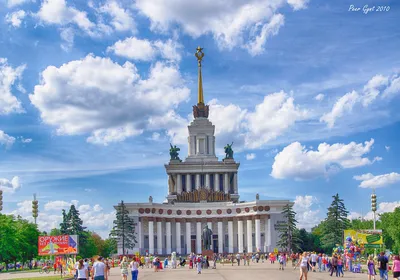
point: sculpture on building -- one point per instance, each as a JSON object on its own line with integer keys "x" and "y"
{"x": 207, "y": 238}
{"x": 257, "y": 197}
{"x": 173, "y": 152}
{"x": 150, "y": 199}
{"x": 228, "y": 151}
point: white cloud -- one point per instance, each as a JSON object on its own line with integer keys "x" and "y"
{"x": 298, "y": 4}
{"x": 370, "y": 181}
{"x": 250, "y": 156}
{"x": 256, "y": 46}
{"x": 387, "y": 148}
{"x": 121, "y": 18}
{"x": 93, "y": 217}
{"x": 6, "y": 140}
{"x": 344, "y": 105}
{"x": 67, "y": 35}
{"x": 320, "y": 97}
{"x": 306, "y": 216}
{"x": 57, "y": 205}
{"x": 271, "y": 118}
{"x": 113, "y": 104}
{"x": 15, "y": 18}
{"x": 8, "y": 186}
{"x": 14, "y": 3}
{"x": 232, "y": 23}
{"x": 383, "y": 207}
{"x": 296, "y": 162}
{"x": 377, "y": 85}
{"x": 155, "y": 136}
{"x": 8, "y": 76}
{"x": 145, "y": 50}
{"x": 26, "y": 141}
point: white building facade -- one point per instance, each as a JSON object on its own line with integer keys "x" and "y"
{"x": 203, "y": 190}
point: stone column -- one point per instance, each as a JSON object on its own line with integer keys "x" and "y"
{"x": 178, "y": 237}
{"x": 198, "y": 181}
{"x": 151, "y": 237}
{"x": 208, "y": 185}
{"x": 235, "y": 183}
{"x": 188, "y": 182}
{"x": 220, "y": 238}
{"x": 216, "y": 182}
{"x": 240, "y": 236}
{"x": 140, "y": 229}
{"x": 268, "y": 233}
{"x": 159, "y": 237}
{"x": 230, "y": 237}
{"x": 249, "y": 235}
{"x": 188, "y": 238}
{"x": 179, "y": 183}
{"x": 198, "y": 238}
{"x": 168, "y": 237}
{"x": 258, "y": 233}
{"x": 226, "y": 182}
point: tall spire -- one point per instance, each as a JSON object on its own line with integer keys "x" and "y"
{"x": 200, "y": 110}
{"x": 199, "y": 55}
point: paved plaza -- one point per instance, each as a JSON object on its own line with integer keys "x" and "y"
{"x": 223, "y": 272}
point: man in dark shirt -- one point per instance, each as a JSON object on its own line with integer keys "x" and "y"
{"x": 334, "y": 264}
{"x": 383, "y": 262}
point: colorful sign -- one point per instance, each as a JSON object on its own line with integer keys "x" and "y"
{"x": 368, "y": 237}
{"x": 58, "y": 245}
{"x": 276, "y": 251}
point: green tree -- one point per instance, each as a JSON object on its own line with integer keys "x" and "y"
{"x": 110, "y": 247}
{"x": 55, "y": 232}
{"x": 288, "y": 240}
{"x": 27, "y": 235}
{"x": 8, "y": 228}
{"x": 334, "y": 224}
{"x": 391, "y": 230}
{"x": 64, "y": 226}
{"x": 124, "y": 228}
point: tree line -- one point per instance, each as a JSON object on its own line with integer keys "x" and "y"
{"x": 329, "y": 232}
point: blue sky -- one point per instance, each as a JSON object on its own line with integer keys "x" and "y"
{"x": 91, "y": 95}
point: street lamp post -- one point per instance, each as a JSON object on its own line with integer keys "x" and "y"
{"x": 373, "y": 207}
{"x": 35, "y": 207}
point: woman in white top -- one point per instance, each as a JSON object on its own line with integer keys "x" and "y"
{"x": 304, "y": 260}
{"x": 134, "y": 265}
{"x": 82, "y": 271}
{"x": 99, "y": 270}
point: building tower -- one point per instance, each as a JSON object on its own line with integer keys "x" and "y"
{"x": 202, "y": 177}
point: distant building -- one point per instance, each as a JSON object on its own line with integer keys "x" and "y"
{"x": 204, "y": 190}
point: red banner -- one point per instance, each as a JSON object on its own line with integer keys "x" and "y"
{"x": 58, "y": 245}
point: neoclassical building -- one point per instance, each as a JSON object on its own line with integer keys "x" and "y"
{"x": 204, "y": 190}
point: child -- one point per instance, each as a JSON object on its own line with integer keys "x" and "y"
{"x": 371, "y": 268}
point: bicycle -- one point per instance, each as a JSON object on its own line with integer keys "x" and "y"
{"x": 44, "y": 269}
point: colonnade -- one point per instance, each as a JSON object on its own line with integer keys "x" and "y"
{"x": 239, "y": 237}
{"x": 184, "y": 181}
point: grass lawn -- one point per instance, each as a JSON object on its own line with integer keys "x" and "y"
{"x": 56, "y": 277}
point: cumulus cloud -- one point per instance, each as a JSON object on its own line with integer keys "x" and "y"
{"x": 383, "y": 207}
{"x": 257, "y": 45}
{"x": 231, "y": 23}
{"x": 111, "y": 105}
{"x": 121, "y": 19}
{"x": 306, "y": 216}
{"x": 8, "y": 186}
{"x": 370, "y": 181}
{"x": 14, "y": 3}
{"x": 15, "y": 18}
{"x": 93, "y": 217}
{"x": 320, "y": 97}
{"x": 296, "y": 162}
{"x": 67, "y": 35}
{"x": 8, "y": 77}
{"x": 6, "y": 139}
{"x": 250, "y": 156}
{"x": 298, "y": 4}
{"x": 145, "y": 50}
{"x": 379, "y": 85}
{"x": 271, "y": 118}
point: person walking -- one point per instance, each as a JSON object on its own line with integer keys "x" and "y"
{"x": 124, "y": 268}
{"x": 334, "y": 264}
{"x": 396, "y": 267}
{"x": 303, "y": 262}
{"x": 383, "y": 266}
{"x": 199, "y": 264}
{"x": 134, "y": 265}
{"x": 371, "y": 268}
{"x": 99, "y": 271}
{"x": 339, "y": 267}
{"x": 238, "y": 259}
{"x": 82, "y": 271}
